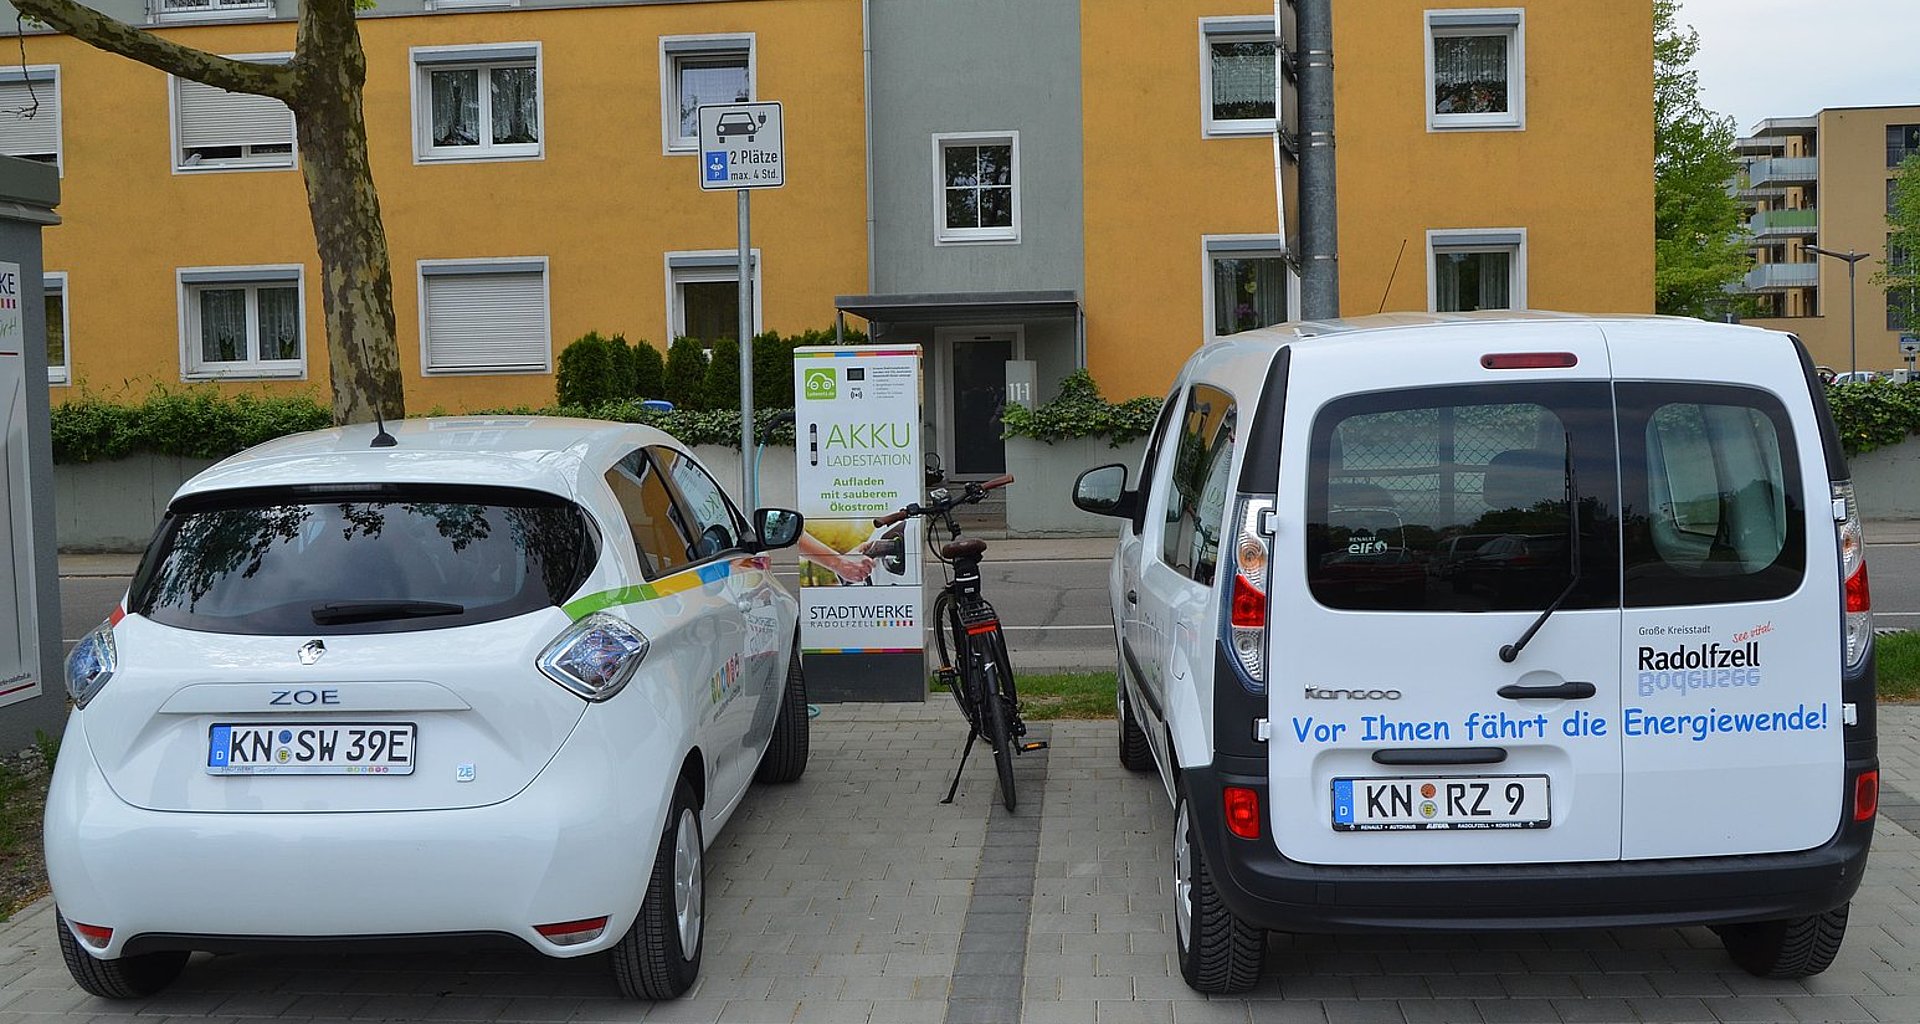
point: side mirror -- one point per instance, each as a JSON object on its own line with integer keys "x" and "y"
{"x": 1103, "y": 492}
{"x": 777, "y": 527}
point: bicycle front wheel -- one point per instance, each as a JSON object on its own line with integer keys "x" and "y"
{"x": 994, "y": 709}
{"x": 950, "y": 637}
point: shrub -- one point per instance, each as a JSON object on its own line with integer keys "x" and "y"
{"x": 622, "y": 359}
{"x": 1874, "y": 414}
{"x": 722, "y": 386}
{"x": 1079, "y": 411}
{"x": 194, "y": 422}
{"x": 686, "y": 385}
{"x": 587, "y": 373}
{"x": 649, "y": 371}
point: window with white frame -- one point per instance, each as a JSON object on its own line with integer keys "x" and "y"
{"x": 485, "y": 316}
{"x": 477, "y": 102}
{"x": 1239, "y": 76}
{"x": 1473, "y": 270}
{"x": 978, "y": 176}
{"x": 1476, "y": 68}
{"x": 59, "y": 359}
{"x": 190, "y": 10}
{"x": 242, "y": 322}
{"x": 696, "y": 70}
{"x": 1249, "y": 283}
{"x": 703, "y": 294}
{"x": 217, "y": 130}
{"x": 30, "y": 113}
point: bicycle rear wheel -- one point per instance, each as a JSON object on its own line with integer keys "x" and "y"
{"x": 994, "y": 709}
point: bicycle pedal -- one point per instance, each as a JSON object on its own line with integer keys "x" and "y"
{"x": 947, "y": 676}
{"x": 1032, "y": 746}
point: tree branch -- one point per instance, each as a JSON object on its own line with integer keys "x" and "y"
{"x": 115, "y": 36}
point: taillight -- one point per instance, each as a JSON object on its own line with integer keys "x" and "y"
{"x": 1243, "y": 811}
{"x": 595, "y": 657}
{"x": 92, "y": 934}
{"x": 1247, "y": 607}
{"x": 1866, "y": 795}
{"x": 1858, "y": 630}
{"x": 572, "y": 933}
{"x": 93, "y": 661}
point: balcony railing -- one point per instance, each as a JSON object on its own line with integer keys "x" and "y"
{"x": 1784, "y": 222}
{"x": 1783, "y": 169}
{"x": 1768, "y": 276}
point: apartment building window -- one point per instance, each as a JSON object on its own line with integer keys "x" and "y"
{"x": 696, "y": 70}
{"x": 1898, "y": 261}
{"x": 1476, "y": 69}
{"x": 59, "y": 361}
{"x": 195, "y": 10}
{"x": 703, "y": 294}
{"x": 478, "y": 102}
{"x": 1238, "y": 76}
{"x": 1473, "y": 270}
{"x": 242, "y": 322}
{"x": 1903, "y": 140}
{"x": 978, "y": 176}
{"x": 1248, "y": 281}
{"x": 30, "y": 113}
{"x": 217, "y": 130}
{"x": 485, "y": 316}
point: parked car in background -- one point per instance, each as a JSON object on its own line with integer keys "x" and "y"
{"x": 480, "y": 682}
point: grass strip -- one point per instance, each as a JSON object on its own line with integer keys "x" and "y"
{"x": 1899, "y": 666}
{"x": 1045, "y": 697}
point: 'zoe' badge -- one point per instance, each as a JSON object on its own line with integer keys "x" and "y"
{"x": 464, "y": 772}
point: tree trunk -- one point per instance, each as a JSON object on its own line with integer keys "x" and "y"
{"x": 356, "y": 277}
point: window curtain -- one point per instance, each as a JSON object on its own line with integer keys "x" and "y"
{"x": 1243, "y": 80}
{"x": 223, "y": 325}
{"x": 456, "y": 107}
{"x": 1248, "y": 293}
{"x": 713, "y": 80}
{"x": 1470, "y": 74}
{"x": 1495, "y": 280}
{"x": 279, "y": 323}
{"x": 516, "y": 105}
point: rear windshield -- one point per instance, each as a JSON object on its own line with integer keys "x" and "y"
{"x": 372, "y": 560}
{"x": 1457, "y": 499}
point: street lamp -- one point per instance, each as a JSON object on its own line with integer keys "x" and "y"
{"x": 1853, "y": 343}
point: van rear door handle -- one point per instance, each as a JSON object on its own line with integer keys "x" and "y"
{"x": 1562, "y": 691}
{"x": 1133, "y": 598}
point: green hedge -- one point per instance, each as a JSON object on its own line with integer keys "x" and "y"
{"x": 1874, "y": 414}
{"x": 1079, "y": 411}
{"x": 195, "y": 422}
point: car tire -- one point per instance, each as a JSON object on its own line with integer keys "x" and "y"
{"x": 653, "y": 961}
{"x": 785, "y": 759}
{"x": 1135, "y": 755}
{"x": 127, "y": 977}
{"x": 1797, "y": 947}
{"x": 1219, "y": 953}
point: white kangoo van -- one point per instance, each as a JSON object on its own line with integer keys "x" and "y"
{"x": 1498, "y": 622}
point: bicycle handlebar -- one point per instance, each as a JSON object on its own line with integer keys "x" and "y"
{"x": 972, "y": 493}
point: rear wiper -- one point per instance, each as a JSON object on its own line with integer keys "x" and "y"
{"x": 333, "y": 613}
{"x": 1512, "y": 650}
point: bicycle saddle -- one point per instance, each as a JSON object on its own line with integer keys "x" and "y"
{"x": 964, "y": 548}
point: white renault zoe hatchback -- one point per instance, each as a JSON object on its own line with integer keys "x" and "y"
{"x": 477, "y": 682}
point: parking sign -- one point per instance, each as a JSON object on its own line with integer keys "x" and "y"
{"x": 741, "y": 146}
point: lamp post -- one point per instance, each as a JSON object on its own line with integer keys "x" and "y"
{"x": 1853, "y": 343}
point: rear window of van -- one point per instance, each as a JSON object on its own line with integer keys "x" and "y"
{"x": 377, "y": 559}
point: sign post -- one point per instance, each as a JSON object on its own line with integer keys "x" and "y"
{"x": 857, "y": 456}
{"x": 743, "y": 147}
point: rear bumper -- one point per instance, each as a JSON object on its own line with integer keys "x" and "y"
{"x": 1268, "y": 890}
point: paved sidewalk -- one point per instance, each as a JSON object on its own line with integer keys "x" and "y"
{"x": 854, "y": 896}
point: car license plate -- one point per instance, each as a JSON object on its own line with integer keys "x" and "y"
{"x": 1440, "y": 802}
{"x": 311, "y": 748}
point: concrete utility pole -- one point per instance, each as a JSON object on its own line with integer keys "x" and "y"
{"x": 1319, "y": 228}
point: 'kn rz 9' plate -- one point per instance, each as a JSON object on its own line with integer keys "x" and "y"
{"x": 1457, "y": 802}
{"x": 311, "y": 748}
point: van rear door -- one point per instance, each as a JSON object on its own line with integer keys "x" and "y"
{"x": 1731, "y": 713}
{"x": 1423, "y": 528}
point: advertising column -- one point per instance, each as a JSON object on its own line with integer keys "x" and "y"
{"x": 857, "y": 452}
{"x": 19, "y": 629}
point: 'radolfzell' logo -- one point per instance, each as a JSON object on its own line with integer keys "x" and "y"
{"x": 822, "y": 383}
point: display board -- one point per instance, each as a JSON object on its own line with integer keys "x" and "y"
{"x": 19, "y": 625}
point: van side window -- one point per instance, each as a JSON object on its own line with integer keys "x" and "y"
{"x": 1455, "y": 499}
{"x": 1197, "y": 500}
{"x": 1714, "y": 508}
{"x": 659, "y": 537}
{"x": 1152, "y": 459}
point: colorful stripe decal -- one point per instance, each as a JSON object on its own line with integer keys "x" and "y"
{"x": 677, "y": 583}
{"x": 850, "y": 355}
{"x": 860, "y": 650}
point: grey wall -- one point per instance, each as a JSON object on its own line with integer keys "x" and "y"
{"x": 966, "y": 66}
{"x": 28, "y": 194}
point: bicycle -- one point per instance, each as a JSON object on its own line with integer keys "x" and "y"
{"x": 973, "y": 652}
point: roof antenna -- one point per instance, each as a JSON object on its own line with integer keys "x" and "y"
{"x": 381, "y": 439}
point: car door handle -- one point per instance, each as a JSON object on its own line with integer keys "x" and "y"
{"x": 1439, "y": 755}
{"x": 1561, "y": 691}
{"x": 1133, "y": 598}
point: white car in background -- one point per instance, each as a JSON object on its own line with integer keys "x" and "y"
{"x": 479, "y": 682}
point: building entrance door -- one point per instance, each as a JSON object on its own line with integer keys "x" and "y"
{"x": 974, "y": 394}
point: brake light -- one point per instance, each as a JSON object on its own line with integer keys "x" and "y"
{"x": 1246, "y": 626}
{"x": 1529, "y": 360}
{"x": 1243, "y": 811}
{"x": 572, "y": 933}
{"x": 1866, "y": 795}
{"x": 92, "y": 934}
{"x": 595, "y": 657}
{"x": 1858, "y": 629}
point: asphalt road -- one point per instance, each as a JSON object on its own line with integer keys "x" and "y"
{"x": 1055, "y": 610}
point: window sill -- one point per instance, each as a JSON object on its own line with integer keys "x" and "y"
{"x": 1470, "y": 123}
{"x": 478, "y": 157}
{"x": 1237, "y": 129}
{"x": 60, "y": 381}
{"x": 1006, "y": 239}
{"x": 264, "y": 12}
{"x": 690, "y": 147}
{"x": 245, "y": 373}
{"x": 219, "y": 168}
{"x": 480, "y": 371}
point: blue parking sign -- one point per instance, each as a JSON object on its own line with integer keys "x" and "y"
{"x": 716, "y": 166}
